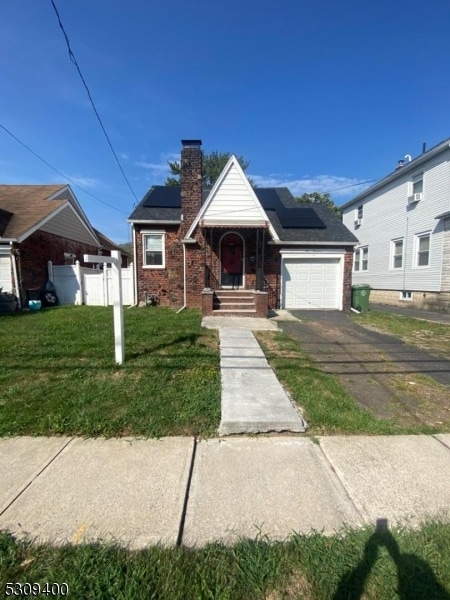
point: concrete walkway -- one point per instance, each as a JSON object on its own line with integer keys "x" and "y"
{"x": 253, "y": 400}
{"x": 179, "y": 491}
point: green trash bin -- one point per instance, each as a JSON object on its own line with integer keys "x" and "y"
{"x": 360, "y": 297}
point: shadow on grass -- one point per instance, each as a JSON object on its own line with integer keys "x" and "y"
{"x": 415, "y": 578}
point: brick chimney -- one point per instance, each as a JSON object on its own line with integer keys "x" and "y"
{"x": 191, "y": 180}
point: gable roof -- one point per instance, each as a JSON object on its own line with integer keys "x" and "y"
{"x": 161, "y": 205}
{"x": 409, "y": 167}
{"x": 232, "y": 201}
{"x": 32, "y": 206}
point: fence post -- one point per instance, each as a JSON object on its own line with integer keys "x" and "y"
{"x": 79, "y": 276}
{"x": 133, "y": 299}
{"x": 50, "y": 270}
{"x": 105, "y": 285}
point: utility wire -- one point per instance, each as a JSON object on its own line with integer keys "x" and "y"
{"x": 59, "y": 172}
{"x": 74, "y": 61}
{"x": 352, "y": 185}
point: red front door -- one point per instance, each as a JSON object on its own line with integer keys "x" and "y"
{"x": 231, "y": 256}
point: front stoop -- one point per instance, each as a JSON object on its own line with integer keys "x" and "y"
{"x": 234, "y": 303}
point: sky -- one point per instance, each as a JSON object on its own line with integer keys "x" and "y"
{"x": 317, "y": 95}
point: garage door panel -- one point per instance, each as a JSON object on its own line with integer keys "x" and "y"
{"x": 311, "y": 283}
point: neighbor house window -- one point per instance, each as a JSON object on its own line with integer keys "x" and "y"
{"x": 417, "y": 184}
{"x": 423, "y": 250}
{"x": 397, "y": 254}
{"x": 406, "y": 296}
{"x": 361, "y": 260}
{"x": 360, "y": 212}
{"x": 153, "y": 249}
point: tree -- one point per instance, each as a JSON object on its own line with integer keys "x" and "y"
{"x": 212, "y": 166}
{"x": 325, "y": 198}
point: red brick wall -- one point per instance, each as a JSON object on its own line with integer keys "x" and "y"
{"x": 347, "y": 289}
{"x": 41, "y": 247}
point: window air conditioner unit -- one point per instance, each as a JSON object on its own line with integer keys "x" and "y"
{"x": 415, "y": 198}
{"x": 358, "y": 222}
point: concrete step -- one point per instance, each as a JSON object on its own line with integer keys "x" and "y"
{"x": 234, "y": 313}
{"x": 234, "y": 305}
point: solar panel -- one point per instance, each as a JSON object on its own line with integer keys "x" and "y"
{"x": 300, "y": 218}
{"x": 161, "y": 196}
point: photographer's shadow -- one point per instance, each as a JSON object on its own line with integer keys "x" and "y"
{"x": 415, "y": 578}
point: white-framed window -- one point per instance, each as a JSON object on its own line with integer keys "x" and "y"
{"x": 397, "y": 253}
{"x": 361, "y": 259}
{"x": 422, "y": 243}
{"x": 153, "y": 243}
{"x": 360, "y": 212}
{"x": 417, "y": 183}
{"x": 69, "y": 258}
{"x": 407, "y": 296}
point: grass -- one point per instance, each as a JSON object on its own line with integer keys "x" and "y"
{"x": 433, "y": 337}
{"x": 367, "y": 564}
{"x": 58, "y": 374}
{"x": 327, "y": 407}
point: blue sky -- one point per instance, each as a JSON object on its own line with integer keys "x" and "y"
{"x": 318, "y": 95}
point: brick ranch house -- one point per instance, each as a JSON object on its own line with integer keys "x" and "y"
{"x": 235, "y": 249}
{"x": 41, "y": 223}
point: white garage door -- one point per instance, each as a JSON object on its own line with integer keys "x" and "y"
{"x": 311, "y": 283}
{"x": 5, "y": 273}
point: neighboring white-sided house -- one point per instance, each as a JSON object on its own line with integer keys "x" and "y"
{"x": 403, "y": 227}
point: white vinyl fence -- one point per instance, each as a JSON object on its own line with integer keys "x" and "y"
{"x": 82, "y": 285}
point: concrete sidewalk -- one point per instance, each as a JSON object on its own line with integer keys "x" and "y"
{"x": 179, "y": 491}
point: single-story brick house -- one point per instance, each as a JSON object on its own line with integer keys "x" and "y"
{"x": 235, "y": 249}
{"x": 41, "y": 223}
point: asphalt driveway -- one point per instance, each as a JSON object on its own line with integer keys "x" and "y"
{"x": 382, "y": 373}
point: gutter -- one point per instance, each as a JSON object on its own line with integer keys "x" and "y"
{"x": 316, "y": 243}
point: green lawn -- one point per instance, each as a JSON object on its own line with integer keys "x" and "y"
{"x": 433, "y": 337}
{"x": 383, "y": 565}
{"x": 58, "y": 374}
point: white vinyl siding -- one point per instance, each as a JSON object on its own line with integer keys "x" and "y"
{"x": 387, "y": 217}
{"x": 153, "y": 250}
{"x": 233, "y": 202}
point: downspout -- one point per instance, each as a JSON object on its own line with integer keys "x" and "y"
{"x": 16, "y": 279}
{"x": 184, "y": 280}
{"x": 135, "y": 284}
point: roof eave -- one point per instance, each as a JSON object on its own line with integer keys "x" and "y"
{"x": 309, "y": 243}
{"x": 155, "y": 221}
{"x": 399, "y": 172}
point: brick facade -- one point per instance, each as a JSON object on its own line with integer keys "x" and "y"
{"x": 202, "y": 256}
{"x": 40, "y": 247}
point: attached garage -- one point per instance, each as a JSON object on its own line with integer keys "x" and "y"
{"x": 312, "y": 282}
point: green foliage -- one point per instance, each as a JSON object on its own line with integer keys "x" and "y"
{"x": 212, "y": 166}
{"x": 316, "y": 197}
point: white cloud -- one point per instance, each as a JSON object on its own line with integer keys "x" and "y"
{"x": 88, "y": 182}
{"x": 337, "y": 186}
{"x": 158, "y": 171}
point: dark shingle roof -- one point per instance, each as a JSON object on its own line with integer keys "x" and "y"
{"x": 316, "y": 222}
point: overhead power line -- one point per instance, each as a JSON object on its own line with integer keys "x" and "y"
{"x": 74, "y": 61}
{"x": 350, "y": 186}
{"x": 59, "y": 172}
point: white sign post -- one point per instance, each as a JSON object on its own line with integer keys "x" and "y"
{"x": 115, "y": 260}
